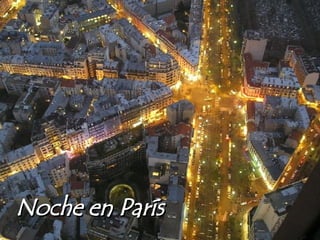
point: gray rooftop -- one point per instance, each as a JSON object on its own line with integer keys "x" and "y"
{"x": 184, "y": 104}
{"x": 259, "y": 141}
{"x": 106, "y": 11}
{"x": 253, "y": 35}
{"x": 285, "y": 197}
{"x": 175, "y": 193}
{"x": 19, "y": 153}
{"x": 261, "y": 231}
{"x": 172, "y": 221}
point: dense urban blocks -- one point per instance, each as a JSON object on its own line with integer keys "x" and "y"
{"x": 95, "y": 80}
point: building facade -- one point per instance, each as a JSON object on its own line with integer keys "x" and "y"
{"x": 163, "y": 68}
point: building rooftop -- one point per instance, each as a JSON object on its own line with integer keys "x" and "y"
{"x": 302, "y": 117}
{"x": 255, "y": 71}
{"x": 286, "y": 79}
{"x": 284, "y": 198}
{"x": 49, "y": 10}
{"x": 298, "y": 50}
{"x": 191, "y": 55}
{"x": 253, "y": 35}
{"x": 311, "y": 93}
{"x": 281, "y": 102}
{"x": 59, "y": 102}
{"x": 43, "y": 82}
{"x": 19, "y": 153}
{"x": 133, "y": 235}
{"x": 143, "y": 93}
{"x": 134, "y": 67}
{"x": 168, "y": 18}
{"x": 3, "y": 107}
{"x": 183, "y": 154}
{"x": 171, "y": 222}
{"x": 280, "y": 83}
{"x": 169, "y": 142}
{"x": 136, "y": 9}
{"x": 27, "y": 99}
{"x": 113, "y": 226}
{"x": 115, "y": 144}
{"x": 47, "y": 53}
{"x": 175, "y": 192}
{"x": 310, "y": 64}
{"x": 107, "y": 11}
{"x": 131, "y": 31}
{"x": 261, "y": 231}
{"x": 109, "y": 35}
{"x": 22, "y": 184}
{"x": 56, "y": 162}
{"x": 264, "y": 145}
{"x": 183, "y": 104}
{"x": 163, "y": 57}
{"x": 7, "y": 130}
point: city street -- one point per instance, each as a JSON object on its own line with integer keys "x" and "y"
{"x": 216, "y": 201}
{"x": 91, "y": 108}
{"x": 222, "y": 183}
{"x": 12, "y": 12}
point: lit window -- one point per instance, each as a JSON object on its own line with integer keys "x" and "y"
{"x": 155, "y": 174}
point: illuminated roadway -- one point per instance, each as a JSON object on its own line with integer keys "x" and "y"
{"x": 218, "y": 185}
{"x": 12, "y": 12}
{"x": 219, "y": 188}
{"x": 222, "y": 187}
{"x": 219, "y": 177}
